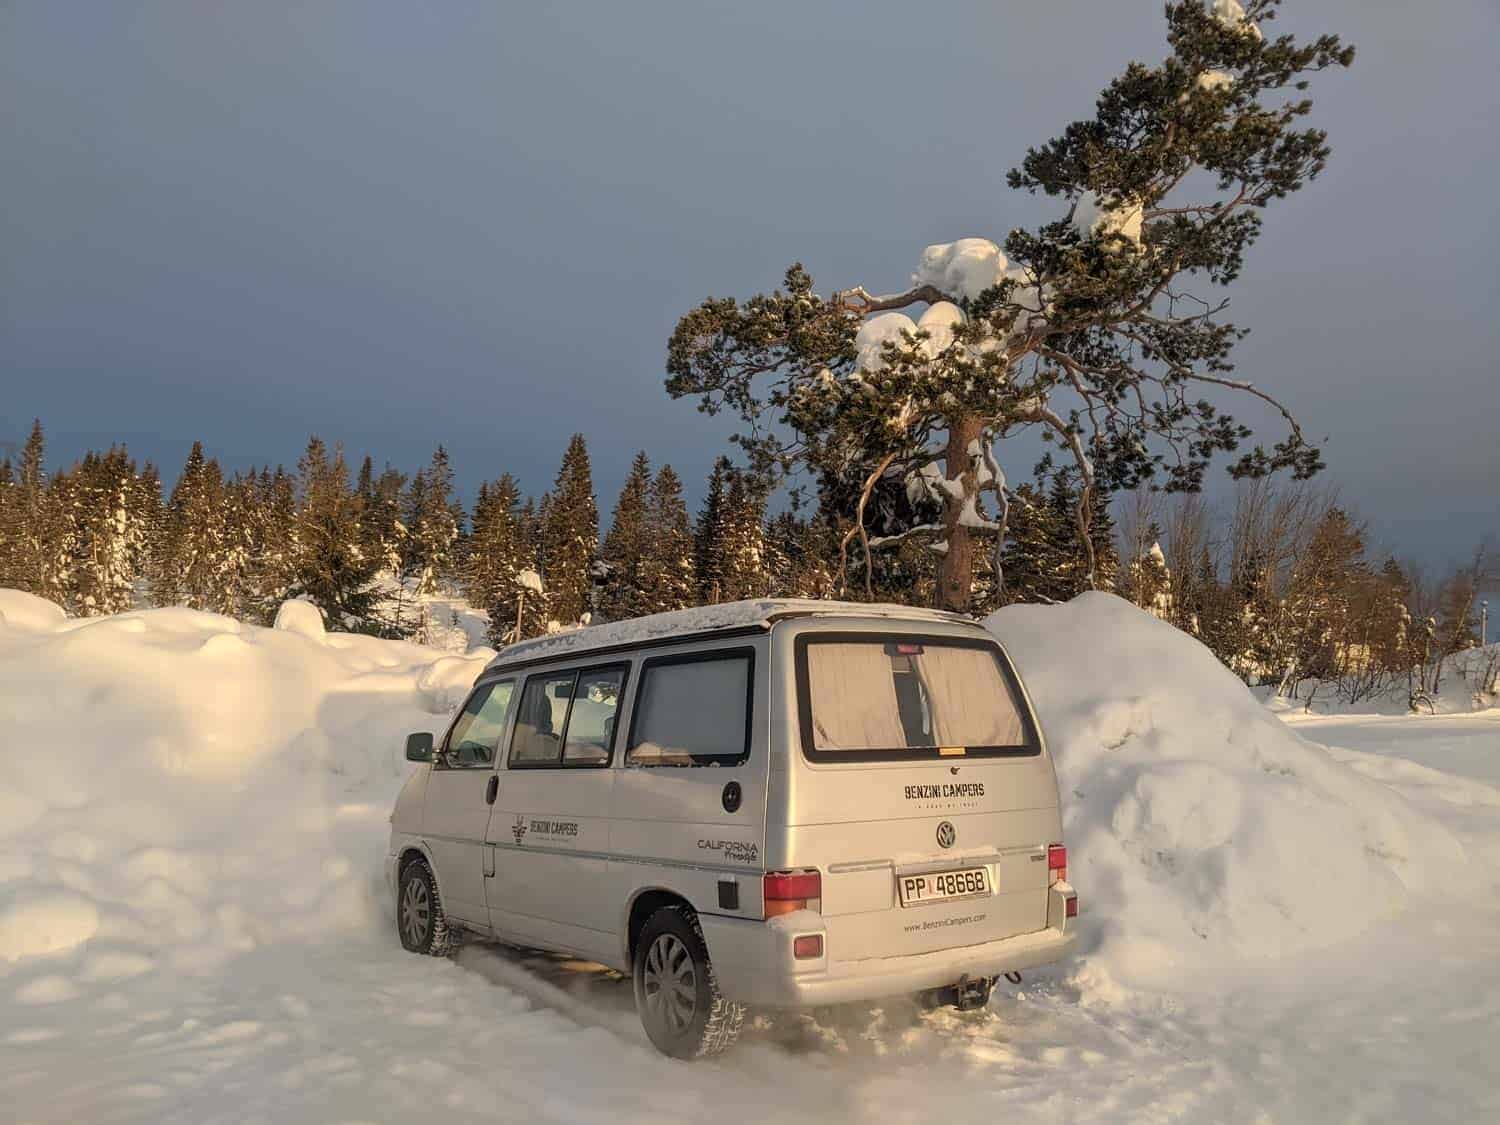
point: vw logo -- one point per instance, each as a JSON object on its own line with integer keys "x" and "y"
{"x": 946, "y": 834}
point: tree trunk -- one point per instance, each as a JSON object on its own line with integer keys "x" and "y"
{"x": 955, "y": 584}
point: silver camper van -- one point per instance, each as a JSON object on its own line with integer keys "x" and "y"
{"x": 770, "y": 803}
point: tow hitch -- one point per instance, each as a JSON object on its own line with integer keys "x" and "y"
{"x": 968, "y": 995}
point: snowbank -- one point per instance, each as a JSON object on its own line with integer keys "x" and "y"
{"x": 27, "y": 611}
{"x": 1200, "y": 830}
{"x": 181, "y": 788}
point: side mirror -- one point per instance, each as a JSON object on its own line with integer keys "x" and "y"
{"x": 419, "y": 747}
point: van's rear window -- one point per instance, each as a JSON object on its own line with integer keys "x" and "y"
{"x": 867, "y": 697}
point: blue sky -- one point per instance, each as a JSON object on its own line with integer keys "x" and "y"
{"x": 397, "y": 225}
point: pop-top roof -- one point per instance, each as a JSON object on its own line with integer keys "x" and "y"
{"x": 660, "y": 627}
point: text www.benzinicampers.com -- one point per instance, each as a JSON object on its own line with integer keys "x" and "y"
{"x": 940, "y": 923}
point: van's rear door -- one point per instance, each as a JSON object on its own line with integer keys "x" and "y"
{"x": 919, "y": 787}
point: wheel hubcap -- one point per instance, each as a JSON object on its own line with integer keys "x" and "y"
{"x": 416, "y": 911}
{"x": 671, "y": 984}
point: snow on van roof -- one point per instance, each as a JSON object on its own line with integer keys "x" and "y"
{"x": 706, "y": 619}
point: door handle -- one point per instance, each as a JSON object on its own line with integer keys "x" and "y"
{"x": 491, "y": 789}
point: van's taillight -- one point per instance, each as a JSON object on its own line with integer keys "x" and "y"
{"x": 1057, "y": 864}
{"x": 786, "y": 891}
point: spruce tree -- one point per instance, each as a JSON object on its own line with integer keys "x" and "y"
{"x": 330, "y": 564}
{"x": 570, "y": 536}
{"x": 1035, "y": 565}
{"x": 432, "y": 522}
{"x": 668, "y": 579}
{"x": 39, "y": 550}
{"x": 10, "y": 524}
{"x": 190, "y": 559}
{"x": 708, "y": 535}
{"x": 273, "y": 569}
{"x": 742, "y": 541}
{"x": 497, "y": 555}
{"x": 624, "y": 593}
{"x": 797, "y": 558}
{"x": 108, "y": 534}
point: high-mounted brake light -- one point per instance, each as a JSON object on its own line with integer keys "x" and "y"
{"x": 906, "y": 649}
{"x": 1057, "y": 864}
{"x": 786, "y": 891}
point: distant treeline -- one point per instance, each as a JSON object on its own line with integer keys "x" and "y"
{"x": 1282, "y": 589}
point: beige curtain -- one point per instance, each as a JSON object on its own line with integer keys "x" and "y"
{"x": 853, "y": 698}
{"x": 971, "y": 701}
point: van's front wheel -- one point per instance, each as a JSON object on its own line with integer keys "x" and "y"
{"x": 676, "y": 994}
{"x": 420, "y": 921}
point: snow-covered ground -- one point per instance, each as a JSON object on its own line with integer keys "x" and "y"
{"x": 192, "y": 929}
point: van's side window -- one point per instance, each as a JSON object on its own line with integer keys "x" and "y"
{"x": 591, "y": 722}
{"x": 693, "y": 710}
{"x": 568, "y": 718}
{"x": 476, "y": 732}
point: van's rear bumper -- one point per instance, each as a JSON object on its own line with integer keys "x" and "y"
{"x": 754, "y": 965}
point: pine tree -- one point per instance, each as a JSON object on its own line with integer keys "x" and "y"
{"x": 742, "y": 541}
{"x": 570, "y": 536}
{"x": 497, "y": 555}
{"x": 273, "y": 566}
{"x": 797, "y": 557}
{"x": 432, "y": 523}
{"x": 708, "y": 536}
{"x": 190, "y": 560}
{"x": 626, "y": 547}
{"x": 1159, "y": 195}
{"x": 668, "y": 580}
{"x": 38, "y": 553}
{"x": 330, "y": 565}
{"x": 1033, "y": 560}
{"x": 10, "y": 523}
{"x": 149, "y": 511}
{"x": 108, "y": 534}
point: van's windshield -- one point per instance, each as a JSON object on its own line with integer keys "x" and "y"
{"x": 877, "y": 698}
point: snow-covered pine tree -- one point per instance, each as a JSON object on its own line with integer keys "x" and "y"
{"x": 497, "y": 554}
{"x": 149, "y": 512}
{"x": 624, "y": 592}
{"x": 1149, "y": 581}
{"x": 242, "y": 530}
{"x": 188, "y": 563}
{"x": 273, "y": 561}
{"x": 1099, "y": 328}
{"x": 108, "y": 535}
{"x": 708, "y": 535}
{"x": 432, "y": 522}
{"x": 1032, "y": 557}
{"x": 382, "y": 534}
{"x": 10, "y": 523}
{"x": 39, "y": 548}
{"x": 798, "y": 553}
{"x": 742, "y": 541}
{"x": 668, "y": 578}
{"x": 330, "y": 566}
{"x": 570, "y": 536}
{"x": 532, "y": 599}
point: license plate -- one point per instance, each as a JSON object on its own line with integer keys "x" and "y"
{"x": 943, "y": 886}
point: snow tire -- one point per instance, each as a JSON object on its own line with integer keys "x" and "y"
{"x": 670, "y": 950}
{"x": 420, "y": 921}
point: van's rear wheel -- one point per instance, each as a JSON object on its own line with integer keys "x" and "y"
{"x": 676, "y": 994}
{"x": 420, "y": 920}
